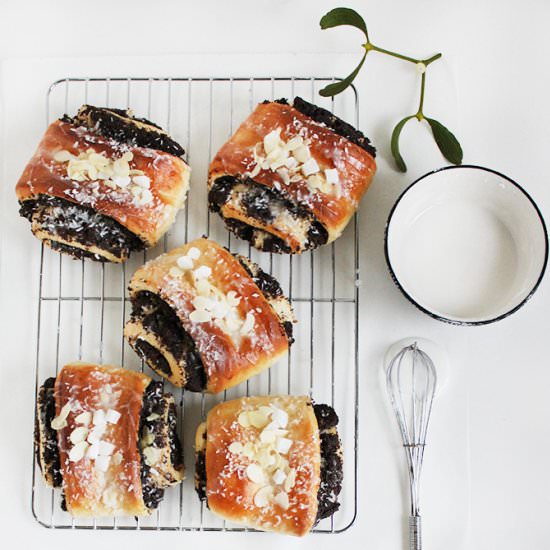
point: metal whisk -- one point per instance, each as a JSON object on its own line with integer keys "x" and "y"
{"x": 411, "y": 379}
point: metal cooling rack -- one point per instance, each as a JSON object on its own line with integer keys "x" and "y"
{"x": 82, "y": 305}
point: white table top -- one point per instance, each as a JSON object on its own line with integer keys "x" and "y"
{"x": 486, "y": 481}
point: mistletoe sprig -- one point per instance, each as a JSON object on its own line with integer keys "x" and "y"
{"x": 444, "y": 138}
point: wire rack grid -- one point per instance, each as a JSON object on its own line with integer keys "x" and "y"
{"x": 82, "y": 305}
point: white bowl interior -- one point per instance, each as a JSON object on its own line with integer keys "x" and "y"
{"x": 466, "y": 244}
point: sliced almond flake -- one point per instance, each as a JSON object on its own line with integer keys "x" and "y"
{"x": 194, "y": 253}
{"x": 95, "y": 435}
{"x": 262, "y": 497}
{"x": 264, "y": 409}
{"x": 153, "y": 416}
{"x": 248, "y": 450}
{"x": 279, "y": 476}
{"x": 84, "y": 418}
{"x": 275, "y": 155}
{"x": 202, "y": 302}
{"x": 283, "y": 445}
{"x": 78, "y": 451}
{"x": 331, "y": 175}
{"x": 267, "y": 436}
{"x": 244, "y": 420}
{"x": 185, "y": 262}
{"x": 99, "y": 417}
{"x": 301, "y": 153}
{"x": 203, "y": 287}
{"x": 220, "y": 310}
{"x": 121, "y": 181}
{"x": 102, "y": 463}
{"x": 264, "y": 458}
{"x": 202, "y": 272}
{"x": 291, "y": 163}
{"x": 277, "y": 163}
{"x": 293, "y": 143}
{"x": 93, "y": 451}
{"x": 282, "y": 500}
{"x": 255, "y": 473}
{"x": 290, "y": 480}
{"x": 121, "y": 167}
{"x": 112, "y": 416}
{"x": 310, "y": 167}
{"x": 60, "y": 421}
{"x": 257, "y": 419}
{"x": 106, "y": 448}
{"x": 63, "y": 156}
{"x": 272, "y": 140}
{"x": 280, "y": 417}
{"x": 200, "y": 316}
{"x": 78, "y": 434}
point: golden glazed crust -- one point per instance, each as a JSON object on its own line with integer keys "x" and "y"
{"x": 90, "y": 492}
{"x": 228, "y": 356}
{"x": 168, "y": 175}
{"x": 355, "y": 166}
{"x": 229, "y": 490}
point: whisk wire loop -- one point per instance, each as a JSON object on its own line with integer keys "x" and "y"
{"x": 411, "y": 379}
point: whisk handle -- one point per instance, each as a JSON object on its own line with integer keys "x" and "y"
{"x": 415, "y": 533}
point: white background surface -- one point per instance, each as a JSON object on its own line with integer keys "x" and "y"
{"x": 487, "y": 482}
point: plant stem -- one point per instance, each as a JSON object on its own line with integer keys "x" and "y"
{"x": 419, "y": 114}
{"x": 369, "y": 46}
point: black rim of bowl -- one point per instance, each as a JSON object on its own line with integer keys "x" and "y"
{"x": 456, "y": 321}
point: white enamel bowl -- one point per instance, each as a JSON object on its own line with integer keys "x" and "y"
{"x": 466, "y": 245}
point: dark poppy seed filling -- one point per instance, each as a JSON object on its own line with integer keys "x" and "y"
{"x": 337, "y": 125}
{"x": 265, "y": 205}
{"x": 152, "y": 403}
{"x": 50, "y": 464}
{"x": 332, "y": 473}
{"x": 158, "y": 418}
{"x": 270, "y": 243}
{"x": 332, "y": 464}
{"x": 158, "y": 318}
{"x": 121, "y": 126}
{"x": 82, "y": 224}
{"x": 200, "y": 472}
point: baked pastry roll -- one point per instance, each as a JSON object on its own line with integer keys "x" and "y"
{"x": 270, "y": 463}
{"x": 102, "y": 184}
{"x": 107, "y": 436}
{"x": 291, "y": 177}
{"x": 207, "y": 319}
